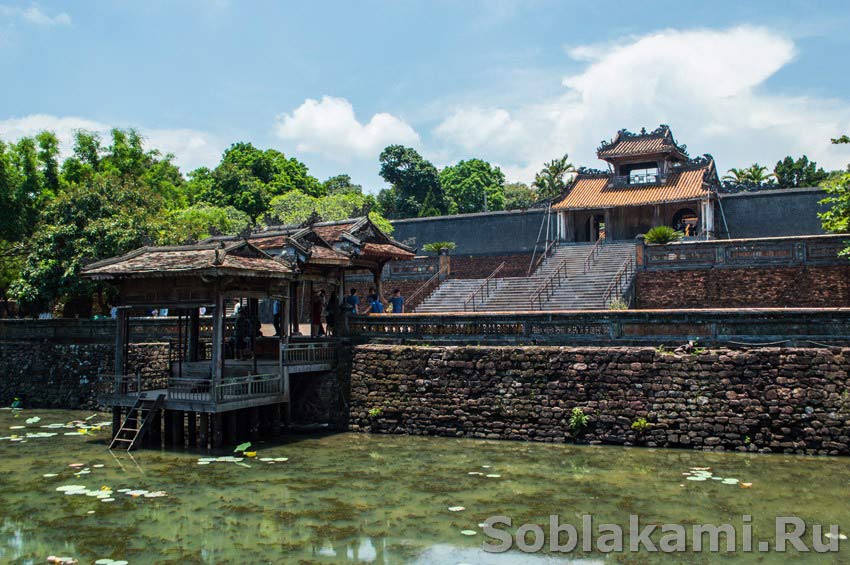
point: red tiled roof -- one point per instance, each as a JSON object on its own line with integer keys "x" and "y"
{"x": 637, "y": 145}
{"x": 320, "y": 255}
{"x": 385, "y": 250}
{"x": 592, "y": 191}
{"x": 332, "y": 233}
{"x": 187, "y": 260}
{"x": 270, "y": 242}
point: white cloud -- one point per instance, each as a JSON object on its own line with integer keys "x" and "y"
{"x": 191, "y": 148}
{"x": 708, "y": 85}
{"x": 329, "y": 127}
{"x": 33, "y": 14}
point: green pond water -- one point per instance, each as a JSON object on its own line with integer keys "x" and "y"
{"x": 382, "y": 499}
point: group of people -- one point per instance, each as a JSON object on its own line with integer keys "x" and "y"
{"x": 375, "y": 304}
{"x": 331, "y": 309}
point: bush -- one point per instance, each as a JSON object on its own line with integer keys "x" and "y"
{"x": 662, "y": 234}
{"x": 578, "y": 421}
{"x": 618, "y": 304}
{"x": 436, "y": 246}
{"x": 375, "y": 412}
{"x": 640, "y": 425}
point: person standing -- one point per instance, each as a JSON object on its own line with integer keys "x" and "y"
{"x": 316, "y": 308}
{"x": 331, "y": 313}
{"x": 276, "y": 317}
{"x": 397, "y": 302}
{"x": 352, "y": 301}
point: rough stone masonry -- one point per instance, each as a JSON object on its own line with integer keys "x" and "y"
{"x": 766, "y": 400}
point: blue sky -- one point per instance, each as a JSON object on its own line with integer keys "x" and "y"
{"x": 516, "y": 83}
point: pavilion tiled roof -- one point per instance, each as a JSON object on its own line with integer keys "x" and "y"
{"x": 208, "y": 259}
{"x": 626, "y": 144}
{"x": 595, "y": 191}
{"x": 386, "y": 250}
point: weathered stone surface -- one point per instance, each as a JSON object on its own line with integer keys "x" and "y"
{"x": 768, "y": 399}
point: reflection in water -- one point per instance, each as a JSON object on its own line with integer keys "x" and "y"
{"x": 378, "y": 499}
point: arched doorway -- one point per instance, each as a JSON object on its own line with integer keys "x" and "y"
{"x": 597, "y": 226}
{"x": 686, "y": 221}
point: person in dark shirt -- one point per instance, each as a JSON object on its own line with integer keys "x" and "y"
{"x": 352, "y": 301}
{"x": 376, "y": 307}
{"x": 397, "y": 302}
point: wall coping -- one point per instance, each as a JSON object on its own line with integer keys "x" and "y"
{"x": 470, "y": 215}
{"x": 770, "y": 192}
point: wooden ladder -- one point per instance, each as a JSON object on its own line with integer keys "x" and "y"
{"x": 137, "y": 422}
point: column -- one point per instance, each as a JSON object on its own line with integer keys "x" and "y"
{"x": 708, "y": 218}
{"x": 609, "y": 228}
{"x": 293, "y": 309}
{"x": 120, "y": 342}
{"x": 217, "y": 337}
{"x": 194, "y": 332}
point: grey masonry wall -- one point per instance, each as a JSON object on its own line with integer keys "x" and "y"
{"x": 487, "y": 233}
{"x": 771, "y": 213}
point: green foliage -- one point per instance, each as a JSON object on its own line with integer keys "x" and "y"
{"x": 754, "y": 174}
{"x": 473, "y": 186}
{"x": 551, "y": 180}
{"x": 837, "y": 217}
{"x": 618, "y": 304}
{"x": 249, "y": 178}
{"x": 416, "y": 189}
{"x": 640, "y": 425}
{"x": 295, "y": 207}
{"x": 375, "y": 412}
{"x": 802, "y": 172}
{"x": 437, "y": 246}
{"x": 199, "y": 221}
{"x": 662, "y": 234}
{"x": 842, "y": 139}
{"x": 578, "y": 421}
{"x": 518, "y": 196}
{"x": 341, "y": 184}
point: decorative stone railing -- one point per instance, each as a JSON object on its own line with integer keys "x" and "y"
{"x": 746, "y": 326}
{"x": 742, "y": 253}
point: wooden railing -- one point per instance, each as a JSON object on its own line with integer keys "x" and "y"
{"x": 310, "y": 353}
{"x": 415, "y": 295}
{"x": 625, "y": 274}
{"x": 189, "y": 389}
{"x": 237, "y": 388}
{"x": 134, "y": 384}
{"x": 484, "y": 289}
{"x": 594, "y": 253}
{"x": 547, "y": 252}
{"x": 548, "y": 286}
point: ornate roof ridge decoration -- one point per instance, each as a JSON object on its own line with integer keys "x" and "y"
{"x": 662, "y": 132}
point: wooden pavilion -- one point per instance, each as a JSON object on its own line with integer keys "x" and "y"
{"x": 237, "y": 369}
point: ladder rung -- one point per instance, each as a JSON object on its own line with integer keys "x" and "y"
{"x": 121, "y": 439}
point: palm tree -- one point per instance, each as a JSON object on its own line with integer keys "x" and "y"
{"x": 549, "y": 182}
{"x": 754, "y": 174}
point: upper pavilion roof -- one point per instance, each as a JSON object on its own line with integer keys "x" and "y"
{"x": 627, "y": 145}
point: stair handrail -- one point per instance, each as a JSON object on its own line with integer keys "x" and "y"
{"x": 547, "y": 252}
{"x": 594, "y": 253}
{"x": 484, "y": 285}
{"x": 548, "y": 286}
{"x": 627, "y": 269}
{"x": 422, "y": 288}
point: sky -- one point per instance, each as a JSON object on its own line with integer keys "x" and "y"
{"x": 514, "y": 83}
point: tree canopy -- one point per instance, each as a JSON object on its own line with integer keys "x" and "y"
{"x": 551, "y": 180}
{"x": 473, "y": 186}
{"x": 837, "y": 217}
{"x": 791, "y": 173}
{"x": 415, "y": 184}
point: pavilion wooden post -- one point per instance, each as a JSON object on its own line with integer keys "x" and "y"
{"x": 217, "y": 337}
{"x": 376, "y": 276}
{"x": 120, "y": 341}
{"x": 194, "y": 332}
{"x": 285, "y": 339}
{"x": 203, "y": 435}
{"x": 293, "y": 309}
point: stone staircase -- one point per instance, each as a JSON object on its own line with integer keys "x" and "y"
{"x": 577, "y": 291}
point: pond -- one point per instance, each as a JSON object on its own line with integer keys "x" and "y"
{"x": 383, "y": 499}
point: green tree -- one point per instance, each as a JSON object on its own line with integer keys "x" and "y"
{"x": 109, "y": 217}
{"x": 85, "y": 162}
{"x": 200, "y": 221}
{"x": 754, "y": 174}
{"x": 473, "y": 186}
{"x": 519, "y": 195}
{"x": 341, "y": 184}
{"x": 837, "y": 217}
{"x": 550, "y": 181}
{"x": 792, "y": 173}
{"x": 48, "y": 155}
{"x": 414, "y": 180}
{"x": 295, "y": 207}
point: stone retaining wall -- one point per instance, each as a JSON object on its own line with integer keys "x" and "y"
{"x": 69, "y": 375}
{"x": 767, "y": 400}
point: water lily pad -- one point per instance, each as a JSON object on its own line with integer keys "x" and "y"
{"x": 49, "y": 475}
{"x": 203, "y": 462}
{"x": 474, "y": 473}
{"x": 98, "y": 466}
{"x": 267, "y": 459}
{"x": 493, "y": 476}
{"x": 469, "y": 532}
{"x": 242, "y": 446}
{"x": 107, "y": 499}
{"x": 456, "y": 508}
{"x": 16, "y": 427}
{"x": 281, "y": 459}
{"x": 730, "y": 481}
{"x": 696, "y": 479}
{"x": 33, "y": 420}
